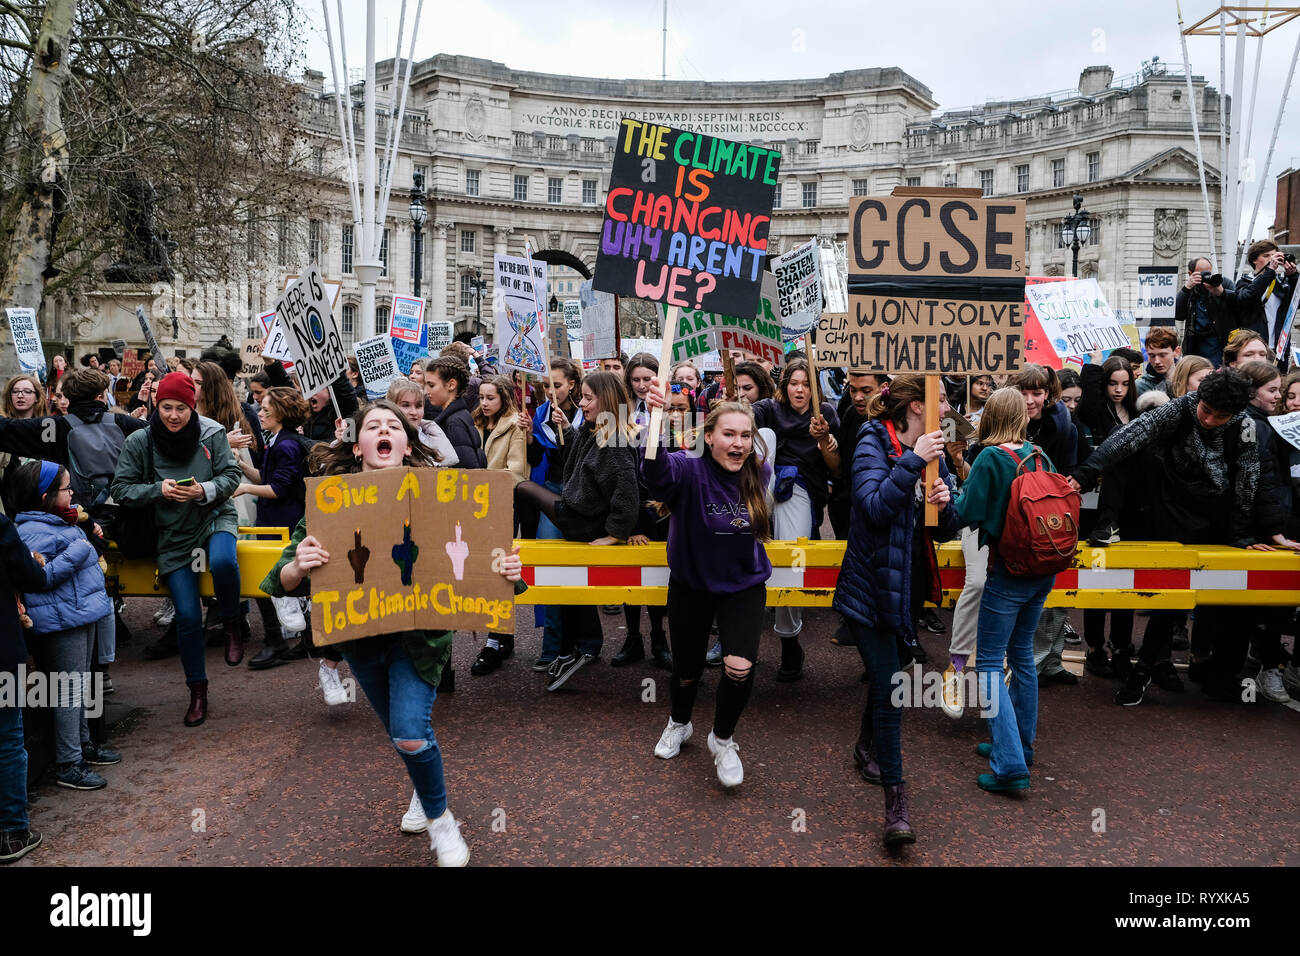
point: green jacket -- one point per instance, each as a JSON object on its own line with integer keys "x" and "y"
{"x": 182, "y": 526}
{"x": 986, "y": 492}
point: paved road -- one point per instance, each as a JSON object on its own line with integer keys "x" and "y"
{"x": 277, "y": 778}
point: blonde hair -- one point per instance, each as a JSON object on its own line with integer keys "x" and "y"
{"x": 1005, "y": 418}
{"x": 1184, "y": 369}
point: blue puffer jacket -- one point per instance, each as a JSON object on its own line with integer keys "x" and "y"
{"x": 875, "y": 582}
{"x": 79, "y": 597}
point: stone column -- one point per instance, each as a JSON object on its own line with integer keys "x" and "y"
{"x": 502, "y": 235}
{"x": 438, "y": 278}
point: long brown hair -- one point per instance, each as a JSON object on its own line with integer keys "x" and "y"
{"x": 217, "y": 396}
{"x": 787, "y": 373}
{"x": 38, "y": 407}
{"x": 506, "y": 389}
{"x": 753, "y": 489}
{"x": 893, "y": 400}
{"x": 340, "y": 458}
{"x": 1260, "y": 374}
{"x": 611, "y": 396}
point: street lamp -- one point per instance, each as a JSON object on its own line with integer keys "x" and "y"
{"x": 1076, "y": 230}
{"x": 419, "y": 215}
{"x": 478, "y": 285}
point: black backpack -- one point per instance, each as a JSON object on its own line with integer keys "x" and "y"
{"x": 135, "y": 529}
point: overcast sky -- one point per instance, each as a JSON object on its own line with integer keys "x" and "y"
{"x": 965, "y": 52}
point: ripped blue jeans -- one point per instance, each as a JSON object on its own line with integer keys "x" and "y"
{"x": 403, "y": 701}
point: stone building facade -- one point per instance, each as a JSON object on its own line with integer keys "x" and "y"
{"x": 508, "y": 154}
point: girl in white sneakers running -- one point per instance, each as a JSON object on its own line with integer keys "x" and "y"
{"x": 399, "y": 672}
{"x": 718, "y": 569}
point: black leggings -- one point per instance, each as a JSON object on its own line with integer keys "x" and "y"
{"x": 1121, "y": 628}
{"x": 740, "y": 622}
{"x": 632, "y": 615}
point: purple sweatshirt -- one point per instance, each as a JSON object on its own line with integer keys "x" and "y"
{"x": 711, "y": 546}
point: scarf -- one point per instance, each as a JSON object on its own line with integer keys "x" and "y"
{"x": 175, "y": 446}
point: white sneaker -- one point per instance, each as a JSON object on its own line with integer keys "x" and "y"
{"x": 414, "y": 820}
{"x": 727, "y": 759}
{"x": 332, "y": 685}
{"x": 164, "y": 616}
{"x": 953, "y": 698}
{"x": 446, "y": 841}
{"x": 289, "y": 611}
{"x": 675, "y": 734}
{"x": 1270, "y": 684}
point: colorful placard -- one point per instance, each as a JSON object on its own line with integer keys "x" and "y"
{"x": 687, "y": 217}
{"x": 1076, "y": 318}
{"x": 377, "y": 365}
{"x": 700, "y": 332}
{"x": 521, "y": 323}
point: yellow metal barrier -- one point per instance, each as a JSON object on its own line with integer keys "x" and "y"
{"x": 1141, "y": 575}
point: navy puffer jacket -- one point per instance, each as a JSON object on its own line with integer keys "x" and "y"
{"x": 875, "y": 582}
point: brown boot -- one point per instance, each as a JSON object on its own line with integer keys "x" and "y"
{"x": 234, "y": 642}
{"x": 198, "y": 711}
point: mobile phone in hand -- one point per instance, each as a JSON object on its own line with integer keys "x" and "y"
{"x": 184, "y": 482}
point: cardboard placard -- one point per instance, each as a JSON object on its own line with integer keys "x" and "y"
{"x": 798, "y": 289}
{"x": 1075, "y": 317}
{"x": 411, "y": 548}
{"x": 304, "y": 312}
{"x": 27, "y": 339}
{"x": 377, "y": 364}
{"x": 936, "y": 282}
{"x": 250, "y": 350}
{"x": 1288, "y": 426}
{"x": 521, "y": 323}
{"x": 599, "y": 312}
{"x": 1157, "y": 294}
{"x": 132, "y": 365}
{"x": 686, "y": 219}
{"x": 699, "y": 332}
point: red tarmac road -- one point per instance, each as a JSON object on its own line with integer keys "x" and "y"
{"x": 275, "y": 777}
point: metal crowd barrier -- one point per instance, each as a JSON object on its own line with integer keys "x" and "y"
{"x": 1140, "y": 575}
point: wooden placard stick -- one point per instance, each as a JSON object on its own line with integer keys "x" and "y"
{"x": 932, "y": 386}
{"x": 665, "y": 363}
{"x": 728, "y": 375}
{"x": 815, "y": 402}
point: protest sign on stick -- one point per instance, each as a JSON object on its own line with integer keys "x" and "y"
{"x": 599, "y": 322}
{"x": 937, "y": 286}
{"x": 1157, "y": 295}
{"x": 411, "y": 548}
{"x": 936, "y": 282}
{"x": 697, "y": 332}
{"x": 686, "y": 224}
{"x": 27, "y": 339}
{"x": 686, "y": 218}
{"x": 377, "y": 365}
{"x": 303, "y": 312}
{"x": 797, "y": 275}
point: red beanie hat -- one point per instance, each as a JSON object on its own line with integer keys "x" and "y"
{"x": 177, "y": 386}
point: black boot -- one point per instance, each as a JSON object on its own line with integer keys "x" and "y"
{"x": 791, "y": 668}
{"x": 165, "y": 646}
{"x": 898, "y": 829}
{"x": 447, "y": 683}
{"x": 659, "y": 651}
{"x": 633, "y": 650}
{"x": 275, "y": 647}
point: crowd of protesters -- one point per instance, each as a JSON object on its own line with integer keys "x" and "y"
{"x": 1176, "y": 443}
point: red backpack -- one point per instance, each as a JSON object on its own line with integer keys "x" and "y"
{"x": 1041, "y": 531}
